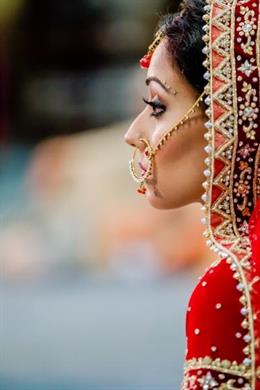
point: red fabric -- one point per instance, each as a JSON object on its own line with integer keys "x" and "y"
{"x": 214, "y": 329}
{"x": 218, "y": 325}
{"x": 234, "y": 89}
{"x": 254, "y": 235}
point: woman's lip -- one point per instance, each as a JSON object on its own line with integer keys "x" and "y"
{"x": 143, "y": 169}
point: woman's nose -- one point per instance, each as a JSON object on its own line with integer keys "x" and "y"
{"x": 128, "y": 138}
{"x": 133, "y": 135}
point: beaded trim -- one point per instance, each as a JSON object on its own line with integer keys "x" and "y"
{"x": 224, "y": 366}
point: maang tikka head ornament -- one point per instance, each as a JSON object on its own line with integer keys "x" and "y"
{"x": 149, "y": 151}
{"x": 146, "y": 59}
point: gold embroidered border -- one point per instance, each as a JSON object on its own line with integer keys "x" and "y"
{"x": 223, "y": 366}
{"x": 257, "y": 176}
{"x": 235, "y": 132}
{"x": 223, "y": 233}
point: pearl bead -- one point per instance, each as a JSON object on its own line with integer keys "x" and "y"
{"x": 204, "y": 221}
{"x": 224, "y": 255}
{"x": 247, "y": 338}
{"x": 216, "y": 249}
{"x": 207, "y": 8}
{"x": 196, "y": 331}
{"x": 205, "y": 50}
{"x": 240, "y": 287}
{"x": 206, "y": 75}
{"x": 207, "y": 136}
{"x": 208, "y": 149}
{"x": 233, "y": 267}
{"x": 208, "y": 125}
{"x": 207, "y": 100}
{"x": 207, "y": 172}
{"x": 208, "y": 112}
{"x": 244, "y": 311}
{"x": 204, "y": 197}
{"x": 238, "y": 335}
{"x": 218, "y": 306}
{"x": 247, "y": 362}
{"x": 213, "y": 348}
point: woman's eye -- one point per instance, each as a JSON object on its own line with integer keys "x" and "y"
{"x": 158, "y": 107}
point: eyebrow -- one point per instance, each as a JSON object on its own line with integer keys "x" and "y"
{"x": 158, "y": 81}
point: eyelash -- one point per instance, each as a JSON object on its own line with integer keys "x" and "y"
{"x": 156, "y": 105}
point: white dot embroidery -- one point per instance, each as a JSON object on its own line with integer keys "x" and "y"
{"x": 204, "y": 283}
{"x": 218, "y": 306}
{"x": 213, "y": 348}
{"x": 196, "y": 331}
{"x": 238, "y": 335}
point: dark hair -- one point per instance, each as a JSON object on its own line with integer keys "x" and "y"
{"x": 184, "y": 33}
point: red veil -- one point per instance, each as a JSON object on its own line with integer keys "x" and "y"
{"x": 231, "y": 205}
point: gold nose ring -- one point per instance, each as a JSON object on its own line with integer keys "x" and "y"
{"x": 149, "y": 153}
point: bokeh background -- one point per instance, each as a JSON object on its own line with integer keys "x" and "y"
{"x": 94, "y": 283}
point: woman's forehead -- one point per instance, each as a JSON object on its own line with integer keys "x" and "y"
{"x": 160, "y": 62}
{"x": 162, "y": 66}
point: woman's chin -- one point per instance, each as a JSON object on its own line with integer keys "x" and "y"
{"x": 156, "y": 199}
{"x": 161, "y": 202}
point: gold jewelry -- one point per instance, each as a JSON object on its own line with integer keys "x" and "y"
{"x": 157, "y": 40}
{"x": 170, "y": 89}
{"x": 150, "y": 152}
{"x": 146, "y": 59}
{"x": 172, "y": 130}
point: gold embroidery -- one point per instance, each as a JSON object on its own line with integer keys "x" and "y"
{"x": 247, "y": 28}
{"x": 225, "y": 366}
{"x": 257, "y": 176}
{"x": 248, "y": 110}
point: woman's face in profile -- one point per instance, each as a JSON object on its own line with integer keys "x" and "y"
{"x": 177, "y": 173}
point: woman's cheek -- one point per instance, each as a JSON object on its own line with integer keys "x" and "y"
{"x": 159, "y": 131}
{"x": 175, "y": 149}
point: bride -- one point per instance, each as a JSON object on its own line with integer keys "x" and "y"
{"x": 197, "y": 139}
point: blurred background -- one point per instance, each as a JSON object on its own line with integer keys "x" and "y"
{"x": 94, "y": 283}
